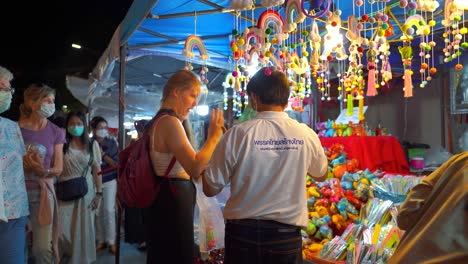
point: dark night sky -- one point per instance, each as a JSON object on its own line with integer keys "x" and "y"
{"x": 36, "y": 38}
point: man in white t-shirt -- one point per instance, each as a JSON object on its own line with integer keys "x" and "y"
{"x": 266, "y": 160}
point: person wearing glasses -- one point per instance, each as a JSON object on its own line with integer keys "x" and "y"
{"x": 105, "y": 216}
{"x": 14, "y": 209}
{"x": 43, "y": 164}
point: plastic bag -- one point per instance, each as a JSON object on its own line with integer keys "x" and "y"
{"x": 436, "y": 156}
{"x": 210, "y": 222}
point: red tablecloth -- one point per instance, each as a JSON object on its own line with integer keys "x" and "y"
{"x": 373, "y": 152}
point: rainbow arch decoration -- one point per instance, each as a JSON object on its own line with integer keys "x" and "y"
{"x": 294, "y": 15}
{"x": 271, "y": 17}
{"x": 254, "y": 33}
{"x": 414, "y": 21}
{"x": 194, "y": 42}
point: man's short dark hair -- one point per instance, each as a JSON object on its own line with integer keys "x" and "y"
{"x": 270, "y": 85}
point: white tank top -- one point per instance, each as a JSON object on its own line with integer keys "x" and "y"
{"x": 162, "y": 163}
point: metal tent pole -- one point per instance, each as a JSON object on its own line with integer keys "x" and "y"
{"x": 123, "y": 60}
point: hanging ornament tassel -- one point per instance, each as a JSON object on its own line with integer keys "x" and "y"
{"x": 361, "y": 107}
{"x": 408, "y": 83}
{"x": 350, "y": 108}
{"x": 237, "y": 85}
{"x": 371, "y": 90}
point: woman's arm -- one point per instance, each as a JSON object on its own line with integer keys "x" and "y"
{"x": 32, "y": 162}
{"x": 57, "y": 167}
{"x": 97, "y": 178}
{"x": 170, "y": 131}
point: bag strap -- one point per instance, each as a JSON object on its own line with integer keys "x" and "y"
{"x": 91, "y": 156}
{"x": 171, "y": 165}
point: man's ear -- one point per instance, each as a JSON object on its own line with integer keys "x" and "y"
{"x": 175, "y": 92}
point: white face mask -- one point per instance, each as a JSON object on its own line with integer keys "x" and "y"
{"x": 5, "y": 101}
{"x": 47, "y": 110}
{"x": 102, "y": 133}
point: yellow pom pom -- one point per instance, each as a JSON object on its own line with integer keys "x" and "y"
{"x": 268, "y": 54}
{"x": 273, "y": 41}
{"x": 305, "y": 53}
{"x": 432, "y": 23}
{"x": 339, "y": 88}
{"x": 319, "y": 80}
{"x": 292, "y": 65}
{"x": 444, "y": 35}
{"x": 381, "y": 33}
{"x": 234, "y": 48}
{"x": 426, "y": 31}
{"x": 463, "y": 31}
{"x": 322, "y": 89}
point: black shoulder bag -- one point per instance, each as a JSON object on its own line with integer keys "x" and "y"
{"x": 75, "y": 188}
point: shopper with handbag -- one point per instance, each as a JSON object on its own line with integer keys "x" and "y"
{"x": 79, "y": 191}
{"x": 43, "y": 162}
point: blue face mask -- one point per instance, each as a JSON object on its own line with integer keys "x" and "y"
{"x": 76, "y": 131}
{"x": 5, "y": 101}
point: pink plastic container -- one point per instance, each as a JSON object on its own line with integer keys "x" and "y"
{"x": 417, "y": 163}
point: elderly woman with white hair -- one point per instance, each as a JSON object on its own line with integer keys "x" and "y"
{"x": 14, "y": 208}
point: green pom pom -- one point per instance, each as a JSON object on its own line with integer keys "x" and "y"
{"x": 412, "y": 12}
{"x": 459, "y": 53}
{"x": 235, "y": 32}
{"x": 360, "y": 71}
{"x": 305, "y": 33}
{"x": 384, "y": 26}
{"x": 422, "y": 22}
{"x": 449, "y": 59}
{"x": 268, "y": 31}
{"x": 427, "y": 48}
{"x": 293, "y": 46}
{"x": 464, "y": 45}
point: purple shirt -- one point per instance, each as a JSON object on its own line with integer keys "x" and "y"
{"x": 42, "y": 141}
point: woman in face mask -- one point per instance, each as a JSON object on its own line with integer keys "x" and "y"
{"x": 105, "y": 216}
{"x": 82, "y": 158}
{"x": 43, "y": 162}
{"x": 14, "y": 209}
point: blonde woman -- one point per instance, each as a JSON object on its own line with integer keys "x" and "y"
{"x": 44, "y": 161}
{"x": 170, "y": 218}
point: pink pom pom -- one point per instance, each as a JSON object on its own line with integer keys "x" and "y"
{"x": 268, "y": 71}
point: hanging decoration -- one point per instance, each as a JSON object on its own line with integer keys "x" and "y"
{"x": 241, "y": 4}
{"x": 293, "y": 15}
{"x": 454, "y": 37}
{"x": 272, "y": 3}
{"x": 406, "y": 52}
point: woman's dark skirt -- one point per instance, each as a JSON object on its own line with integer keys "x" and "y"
{"x": 169, "y": 224}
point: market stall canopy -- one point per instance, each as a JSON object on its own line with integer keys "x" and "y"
{"x": 155, "y": 33}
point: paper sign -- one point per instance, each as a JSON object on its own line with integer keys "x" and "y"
{"x": 344, "y": 119}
